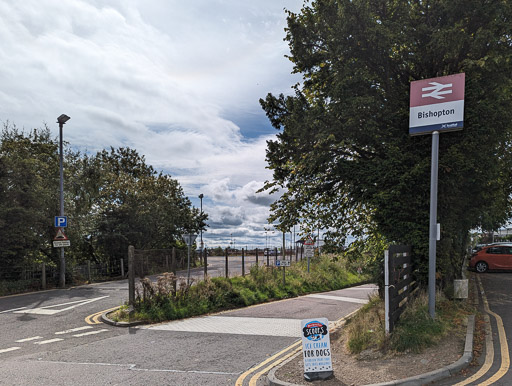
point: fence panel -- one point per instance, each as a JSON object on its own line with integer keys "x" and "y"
{"x": 399, "y": 283}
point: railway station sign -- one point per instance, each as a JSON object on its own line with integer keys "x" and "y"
{"x": 437, "y": 104}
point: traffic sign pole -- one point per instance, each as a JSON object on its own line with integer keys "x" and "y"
{"x": 433, "y": 226}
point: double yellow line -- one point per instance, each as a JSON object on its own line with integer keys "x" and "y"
{"x": 489, "y": 347}
{"x": 277, "y": 359}
{"x": 95, "y": 318}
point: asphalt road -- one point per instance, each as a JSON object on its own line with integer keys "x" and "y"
{"x": 495, "y": 304}
{"x": 50, "y": 338}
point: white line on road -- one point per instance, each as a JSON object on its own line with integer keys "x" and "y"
{"x": 134, "y": 368}
{"x": 29, "y": 339}
{"x": 90, "y": 333}
{"x": 14, "y": 309}
{"x": 49, "y": 341}
{"x": 46, "y": 311}
{"x": 339, "y": 298}
{"x": 9, "y": 349}
{"x": 73, "y": 330}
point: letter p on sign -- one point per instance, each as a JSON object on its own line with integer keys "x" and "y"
{"x": 61, "y": 221}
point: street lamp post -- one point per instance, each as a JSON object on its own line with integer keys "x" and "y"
{"x": 61, "y": 120}
{"x": 201, "y": 230}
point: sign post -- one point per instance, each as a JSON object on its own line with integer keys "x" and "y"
{"x": 309, "y": 248}
{"x": 436, "y": 105}
{"x": 316, "y": 349}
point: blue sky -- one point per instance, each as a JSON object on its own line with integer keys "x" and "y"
{"x": 179, "y": 81}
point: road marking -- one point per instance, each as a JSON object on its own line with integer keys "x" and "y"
{"x": 339, "y": 298}
{"x": 133, "y": 367}
{"x": 48, "y": 311}
{"x": 489, "y": 355}
{"x": 9, "y": 349}
{"x": 49, "y": 341}
{"x": 73, "y": 330}
{"x": 234, "y": 325}
{"x": 14, "y": 309}
{"x": 95, "y": 318}
{"x": 90, "y": 333}
{"x": 274, "y": 361}
{"x": 255, "y": 377}
{"x": 29, "y": 339}
{"x": 489, "y": 358}
{"x": 240, "y": 380}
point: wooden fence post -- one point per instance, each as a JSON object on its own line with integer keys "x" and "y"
{"x": 89, "y": 271}
{"x": 173, "y": 267}
{"x": 243, "y": 262}
{"x": 131, "y": 276}
{"x": 227, "y": 271}
{"x": 256, "y": 256}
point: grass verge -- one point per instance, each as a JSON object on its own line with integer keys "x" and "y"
{"x": 414, "y": 332}
{"x": 170, "y": 298}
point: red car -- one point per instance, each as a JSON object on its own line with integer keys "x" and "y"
{"x": 492, "y": 257}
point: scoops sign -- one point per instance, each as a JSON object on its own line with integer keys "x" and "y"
{"x": 437, "y": 104}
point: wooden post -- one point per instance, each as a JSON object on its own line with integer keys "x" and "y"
{"x": 166, "y": 262}
{"x": 275, "y": 256}
{"x": 268, "y": 257}
{"x": 227, "y": 272}
{"x": 256, "y": 256}
{"x": 131, "y": 275}
{"x": 243, "y": 262}
{"x": 173, "y": 267}
{"x": 43, "y": 275}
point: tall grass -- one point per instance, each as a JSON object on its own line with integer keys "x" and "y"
{"x": 168, "y": 299}
{"x": 415, "y": 330}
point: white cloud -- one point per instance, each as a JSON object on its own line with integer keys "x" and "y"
{"x": 165, "y": 77}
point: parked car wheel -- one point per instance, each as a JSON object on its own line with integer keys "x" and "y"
{"x": 481, "y": 266}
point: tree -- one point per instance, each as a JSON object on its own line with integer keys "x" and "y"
{"x": 29, "y": 182}
{"x": 343, "y": 158}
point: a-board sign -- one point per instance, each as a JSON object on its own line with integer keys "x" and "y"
{"x": 437, "y": 104}
{"x": 316, "y": 348}
{"x": 282, "y": 263}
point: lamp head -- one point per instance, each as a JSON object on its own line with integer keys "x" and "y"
{"x": 201, "y": 196}
{"x": 63, "y": 119}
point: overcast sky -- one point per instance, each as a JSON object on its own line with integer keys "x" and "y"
{"x": 179, "y": 81}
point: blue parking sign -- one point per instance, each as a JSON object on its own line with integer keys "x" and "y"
{"x": 61, "y": 221}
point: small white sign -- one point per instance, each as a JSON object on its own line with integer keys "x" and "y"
{"x": 316, "y": 345}
{"x": 282, "y": 263}
{"x": 309, "y": 250}
{"x": 61, "y": 243}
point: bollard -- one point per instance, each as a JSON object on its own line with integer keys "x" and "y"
{"x": 256, "y": 256}
{"x": 122, "y": 267}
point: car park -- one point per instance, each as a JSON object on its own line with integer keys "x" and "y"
{"x": 492, "y": 257}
